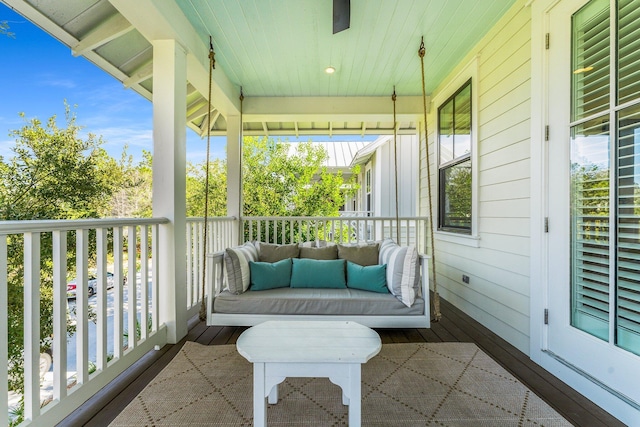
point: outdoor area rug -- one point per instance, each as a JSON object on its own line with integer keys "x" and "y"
{"x": 450, "y": 384}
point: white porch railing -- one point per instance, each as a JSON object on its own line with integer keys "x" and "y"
{"x": 222, "y": 233}
{"x": 112, "y": 330}
{"x": 406, "y": 231}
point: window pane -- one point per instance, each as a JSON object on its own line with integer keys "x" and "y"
{"x": 462, "y": 123}
{"x": 455, "y": 196}
{"x": 628, "y": 256}
{"x": 590, "y": 60}
{"x": 445, "y": 132}
{"x": 590, "y": 227}
{"x": 628, "y": 50}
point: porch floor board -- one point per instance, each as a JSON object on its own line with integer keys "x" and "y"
{"x": 454, "y": 326}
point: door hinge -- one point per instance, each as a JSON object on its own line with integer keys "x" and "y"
{"x": 546, "y": 41}
{"x": 546, "y": 316}
{"x": 546, "y": 224}
{"x": 546, "y": 133}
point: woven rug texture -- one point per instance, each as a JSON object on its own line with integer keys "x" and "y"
{"x": 416, "y": 384}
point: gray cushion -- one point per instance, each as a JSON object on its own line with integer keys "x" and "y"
{"x": 403, "y": 270}
{"x": 315, "y": 301}
{"x": 366, "y": 254}
{"x": 236, "y": 266}
{"x": 269, "y": 252}
{"x": 329, "y": 252}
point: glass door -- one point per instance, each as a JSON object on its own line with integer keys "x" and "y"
{"x": 594, "y": 192}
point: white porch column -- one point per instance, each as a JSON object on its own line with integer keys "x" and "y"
{"x": 234, "y": 170}
{"x": 169, "y": 181}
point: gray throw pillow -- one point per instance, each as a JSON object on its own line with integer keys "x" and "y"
{"x": 329, "y": 252}
{"x": 363, "y": 254}
{"x": 236, "y": 267}
{"x": 403, "y": 270}
{"x": 270, "y": 252}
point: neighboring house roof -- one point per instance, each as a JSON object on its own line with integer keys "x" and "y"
{"x": 340, "y": 153}
{"x": 365, "y": 153}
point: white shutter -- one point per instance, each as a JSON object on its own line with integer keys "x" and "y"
{"x": 628, "y": 230}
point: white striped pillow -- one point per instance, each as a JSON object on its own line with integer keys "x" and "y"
{"x": 236, "y": 267}
{"x": 403, "y": 270}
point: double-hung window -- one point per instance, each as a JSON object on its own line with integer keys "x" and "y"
{"x": 454, "y": 165}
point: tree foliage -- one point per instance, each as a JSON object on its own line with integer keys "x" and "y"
{"x": 278, "y": 181}
{"x": 53, "y": 174}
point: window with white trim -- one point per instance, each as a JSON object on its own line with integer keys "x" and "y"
{"x": 454, "y": 163}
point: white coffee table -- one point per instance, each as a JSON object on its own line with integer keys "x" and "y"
{"x": 331, "y": 349}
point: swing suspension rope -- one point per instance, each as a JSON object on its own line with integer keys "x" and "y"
{"x": 436, "y": 297}
{"x": 212, "y": 66}
{"x": 395, "y": 159}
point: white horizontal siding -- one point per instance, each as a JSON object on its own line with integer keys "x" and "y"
{"x": 499, "y": 268}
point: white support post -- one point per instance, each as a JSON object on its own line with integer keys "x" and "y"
{"x": 169, "y": 185}
{"x": 31, "y": 325}
{"x": 234, "y": 172}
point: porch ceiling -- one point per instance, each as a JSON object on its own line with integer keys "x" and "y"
{"x": 277, "y": 50}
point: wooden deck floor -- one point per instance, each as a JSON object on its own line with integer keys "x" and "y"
{"x": 454, "y": 326}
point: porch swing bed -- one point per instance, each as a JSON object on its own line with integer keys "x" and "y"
{"x": 230, "y": 302}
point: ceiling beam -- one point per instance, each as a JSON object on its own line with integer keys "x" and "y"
{"x": 140, "y": 74}
{"x": 110, "y": 29}
{"x": 331, "y": 109}
{"x": 316, "y": 131}
{"x": 164, "y": 20}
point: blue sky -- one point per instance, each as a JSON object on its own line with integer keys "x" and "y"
{"x": 39, "y": 73}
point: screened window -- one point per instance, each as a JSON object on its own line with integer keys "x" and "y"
{"x": 605, "y": 172}
{"x": 454, "y": 143}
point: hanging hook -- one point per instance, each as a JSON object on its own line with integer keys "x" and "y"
{"x": 393, "y": 97}
{"x": 241, "y": 94}
{"x": 421, "y": 50}
{"x": 212, "y": 54}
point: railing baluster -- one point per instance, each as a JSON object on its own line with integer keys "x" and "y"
{"x": 132, "y": 306}
{"x": 191, "y": 254}
{"x": 59, "y": 314}
{"x": 82, "y": 312}
{"x": 31, "y": 325}
{"x": 144, "y": 281}
{"x": 118, "y": 276}
{"x": 101, "y": 321}
{"x": 155, "y": 279}
{"x": 4, "y": 329}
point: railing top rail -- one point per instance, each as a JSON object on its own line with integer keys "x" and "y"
{"x": 42, "y": 226}
{"x": 211, "y": 218}
{"x": 331, "y": 218}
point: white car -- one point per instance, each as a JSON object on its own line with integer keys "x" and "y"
{"x": 92, "y": 283}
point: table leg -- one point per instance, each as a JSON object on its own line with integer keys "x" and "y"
{"x": 355, "y": 395}
{"x": 273, "y": 395}
{"x": 259, "y": 393}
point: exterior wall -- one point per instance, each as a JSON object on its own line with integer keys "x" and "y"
{"x": 497, "y": 259}
{"x": 382, "y": 164}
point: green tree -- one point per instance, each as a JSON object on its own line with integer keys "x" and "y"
{"x": 53, "y": 174}
{"x": 132, "y": 198}
{"x": 217, "y": 188}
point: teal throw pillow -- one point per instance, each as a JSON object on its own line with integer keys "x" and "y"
{"x": 367, "y": 278}
{"x": 314, "y": 273}
{"x": 267, "y": 275}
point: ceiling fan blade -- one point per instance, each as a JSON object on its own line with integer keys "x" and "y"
{"x": 341, "y": 15}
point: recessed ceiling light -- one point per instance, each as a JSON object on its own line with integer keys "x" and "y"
{"x": 329, "y": 70}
